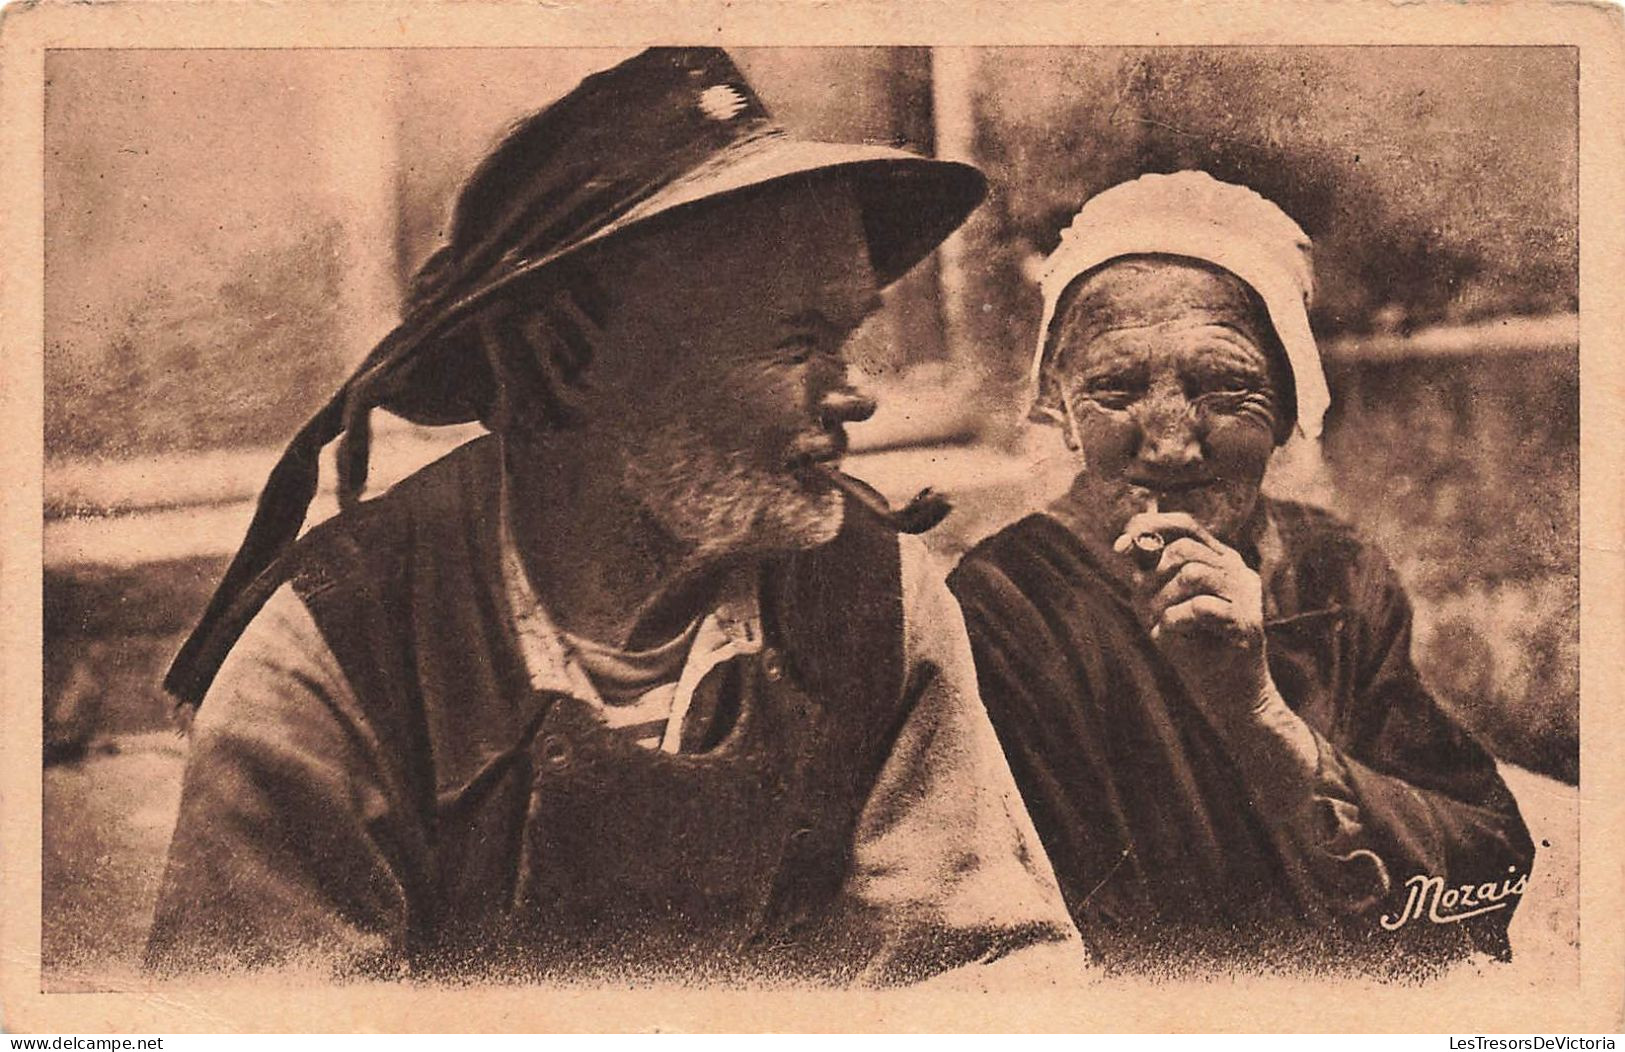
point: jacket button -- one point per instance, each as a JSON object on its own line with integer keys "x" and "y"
{"x": 556, "y": 751}
{"x": 772, "y": 664}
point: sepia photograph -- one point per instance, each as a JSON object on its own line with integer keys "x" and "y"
{"x": 878, "y": 518}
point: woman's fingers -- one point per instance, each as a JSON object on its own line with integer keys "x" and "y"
{"x": 1183, "y": 552}
{"x": 1196, "y": 583}
{"x": 1169, "y": 524}
{"x": 1200, "y": 613}
{"x": 1190, "y": 580}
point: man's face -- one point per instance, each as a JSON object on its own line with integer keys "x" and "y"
{"x": 1168, "y": 396}
{"x": 721, "y": 380}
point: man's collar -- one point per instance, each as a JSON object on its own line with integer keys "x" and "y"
{"x": 734, "y": 606}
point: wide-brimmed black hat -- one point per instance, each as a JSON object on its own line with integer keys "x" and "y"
{"x": 672, "y": 131}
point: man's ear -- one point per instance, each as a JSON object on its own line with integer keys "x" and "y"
{"x": 540, "y": 353}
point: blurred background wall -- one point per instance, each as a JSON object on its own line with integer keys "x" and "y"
{"x": 227, "y": 232}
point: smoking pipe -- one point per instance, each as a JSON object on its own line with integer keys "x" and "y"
{"x": 925, "y": 510}
{"x": 1147, "y": 549}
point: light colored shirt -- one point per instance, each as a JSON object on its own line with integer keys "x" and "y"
{"x": 646, "y": 694}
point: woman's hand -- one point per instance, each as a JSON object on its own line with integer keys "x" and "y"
{"x": 1204, "y": 607}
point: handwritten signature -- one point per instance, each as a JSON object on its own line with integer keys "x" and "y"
{"x": 1430, "y": 898}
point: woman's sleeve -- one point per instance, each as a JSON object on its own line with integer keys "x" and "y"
{"x": 290, "y": 846}
{"x": 1402, "y": 779}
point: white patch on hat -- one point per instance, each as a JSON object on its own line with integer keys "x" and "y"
{"x": 721, "y": 102}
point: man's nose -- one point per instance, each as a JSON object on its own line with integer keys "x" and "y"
{"x": 1169, "y": 436}
{"x": 844, "y": 405}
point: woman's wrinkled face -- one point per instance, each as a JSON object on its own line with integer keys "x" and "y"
{"x": 1168, "y": 396}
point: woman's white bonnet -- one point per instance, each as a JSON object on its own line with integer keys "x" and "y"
{"x": 1194, "y": 215}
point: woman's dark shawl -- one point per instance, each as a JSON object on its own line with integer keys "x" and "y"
{"x": 1162, "y": 855}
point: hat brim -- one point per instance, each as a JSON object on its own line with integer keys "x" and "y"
{"x": 909, "y": 205}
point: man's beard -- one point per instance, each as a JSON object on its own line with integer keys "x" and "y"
{"x": 721, "y": 503}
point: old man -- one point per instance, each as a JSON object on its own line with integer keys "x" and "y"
{"x": 1206, "y": 694}
{"x": 633, "y": 686}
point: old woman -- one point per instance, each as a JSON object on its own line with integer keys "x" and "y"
{"x": 1206, "y": 694}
